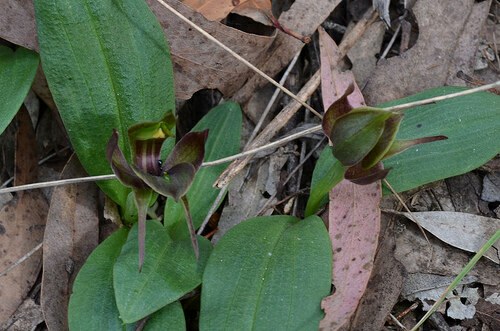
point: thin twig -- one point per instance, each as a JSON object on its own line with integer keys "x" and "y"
{"x": 443, "y": 97}
{"x": 391, "y": 42}
{"x": 236, "y": 55}
{"x": 273, "y": 99}
{"x": 21, "y": 260}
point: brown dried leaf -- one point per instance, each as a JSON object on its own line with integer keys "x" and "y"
{"x": 213, "y": 10}
{"x": 258, "y": 10}
{"x": 71, "y": 233}
{"x": 198, "y": 62}
{"x": 22, "y": 222}
{"x": 432, "y": 59}
{"x": 303, "y": 17}
{"x": 354, "y": 226}
{"x": 17, "y": 23}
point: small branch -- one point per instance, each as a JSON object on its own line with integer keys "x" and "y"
{"x": 236, "y": 55}
{"x": 21, "y": 260}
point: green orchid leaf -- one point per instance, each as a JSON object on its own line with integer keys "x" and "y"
{"x": 108, "y": 66}
{"x": 327, "y": 173}
{"x": 384, "y": 143}
{"x": 17, "y": 71}
{"x": 92, "y": 305}
{"x": 170, "y": 317}
{"x": 364, "y": 176}
{"x": 355, "y": 134}
{"x": 224, "y": 123}
{"x": 170, "y": 270}
{"x": 472, "y": 125}
{"x": 268, "y": 273}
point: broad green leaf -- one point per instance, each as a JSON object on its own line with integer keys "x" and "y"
{"x": 170, "y": 270}
{"x": 327, "y": 173}
{"x": 92, "y": 305}
{"x": 169, "y": 318}
{"x": 108, "y": 66}
{"x": 17, "y": 70}
{"x": 268, "y": 273}
{"x": 472, "y": 125}
{"x": 224, "y": 124}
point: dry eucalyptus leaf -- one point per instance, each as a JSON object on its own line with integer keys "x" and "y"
{"x": 465, "y": 231}
{"x": 71, "y": 233}
{"x": 198, "y": 62}
{"x": 382, "y": 7}
{"x": 22, "y": 222}
{"x": 213, "y": 10}
{"x": 354, "y": 225}
{"x": 415, "y": 253}
{"x": 427, "y": 63}
{"x": 303, "y": 17}
{"x": 17, "y": 23}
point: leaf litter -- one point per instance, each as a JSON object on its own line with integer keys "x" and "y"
{"x": 421, "y": 67}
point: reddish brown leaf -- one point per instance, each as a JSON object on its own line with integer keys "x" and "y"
{"x": 354, "y": 219}
{"x": 71, "y": 233}
{"x": 22, "y": 223}
{"x": 354, "y": 214}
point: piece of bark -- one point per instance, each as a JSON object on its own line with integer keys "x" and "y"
{"x": 71, "y": 234}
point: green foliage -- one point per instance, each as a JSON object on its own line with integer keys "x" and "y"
{"x": 328, "y": 172}
{"x": 268, "y": 273}
{"x": 108, "y": 67}
{"x": 224, "y": 124}
{"x": 170, "y": 270}
{"x": 471, "y": 123}
{"x": 171, "y": 316}
{"x": 92, "y": 305}
{"x": 17, "y": 70}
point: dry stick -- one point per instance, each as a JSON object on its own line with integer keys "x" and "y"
{"x": 273, "y": 99}
{"x": 284, "y": 116}
{"x": 21, "y": 260}
{"x": 251, "y": 151}
{"x": 236, "y": 55}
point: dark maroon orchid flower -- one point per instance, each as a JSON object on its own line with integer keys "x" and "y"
{"x": 147, "y": 174}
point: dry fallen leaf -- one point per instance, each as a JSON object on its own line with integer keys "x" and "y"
{"x": 198, "y": 62}
{"x": 71, "y": 233}
{"x": 22, "y": 222}
{"x": 213, "y": 10}
{"x": 17, "y": 23}
{"x": 465, "y": 231}
{"x": 433, "y": 58}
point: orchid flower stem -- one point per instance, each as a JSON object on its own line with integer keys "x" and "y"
{"x": 192, "y": 232}
{"x": 142, "y": 202}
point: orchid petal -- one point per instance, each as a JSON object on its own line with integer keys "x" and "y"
{"x": 401, "y": 145}
{"x": 174, "y": 185}
{"x": 359, "y": 175}
{"x": 190, "y": 149}
{"x": 119, "y": 164}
